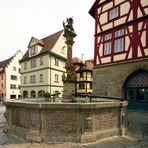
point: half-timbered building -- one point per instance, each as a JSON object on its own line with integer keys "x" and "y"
{"x": 121, "y": 56}
{"x": 121, "y": 48}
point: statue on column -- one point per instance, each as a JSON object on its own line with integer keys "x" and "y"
{"x": 69, "y": 34}
{"x": 68, "y": 25}
{"x": 69, "y": 79}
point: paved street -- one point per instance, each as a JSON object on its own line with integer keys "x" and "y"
{"x": 9, "y": 141}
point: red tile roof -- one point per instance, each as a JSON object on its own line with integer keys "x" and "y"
{"x": 4, "y": 63}
{"x": 76, "y": 60}
{"x": 47, "y": 43}
{"x": 39, "y": 41}
{"x": 88, "y": 64}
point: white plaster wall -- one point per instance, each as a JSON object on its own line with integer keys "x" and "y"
{"x": 9, "y": 71}
{"x": 59, "y": 45}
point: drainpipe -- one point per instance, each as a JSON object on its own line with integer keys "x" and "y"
{"x": 50, "y": 73}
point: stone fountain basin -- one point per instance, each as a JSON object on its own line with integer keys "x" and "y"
{"x": 65, "y": 122}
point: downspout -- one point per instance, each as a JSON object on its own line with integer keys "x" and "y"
{"x": 50, "y": 73}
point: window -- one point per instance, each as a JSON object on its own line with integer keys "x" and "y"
{"x": 14, "y": 68}
{"x": 81, "y": 75}
{"x": 33, "y": 79}
{"x": 19, "y": 86}
{"x": 90, "y": 85}
{"x": 25, "y": 65}
{"x": 56, "y": 62}
{"x": 114, "y": 13}
{"x": 19, "y": 70}
{"x": 108, "y": 37}
{"x": 119, "y": 41}
{"x": 33, "y": 50}
{"x": 81, "y": 86}
{"x": 107, "y": 48}
{"x": 41, "y": 61}
{"x": 41, "y": 77}
{"x": 13, "y": 77}
{"x": 118, "y": 45}
{"x": 25, "y": 80}
{"x": 56, "y": 78}
{"x": 2, "y": 77}
{"x": 107, "y": 44}
{"x": 33, "y": 63}
{"x": 12, "y": 86}
{"x": 119, "y": 33}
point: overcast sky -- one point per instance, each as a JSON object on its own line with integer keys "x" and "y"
{"x": 22, "y": 19}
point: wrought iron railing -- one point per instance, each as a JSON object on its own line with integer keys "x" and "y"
{"x": 91, "y": 97}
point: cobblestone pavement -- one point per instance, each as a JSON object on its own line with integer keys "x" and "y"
{"x": 9, "y": 141}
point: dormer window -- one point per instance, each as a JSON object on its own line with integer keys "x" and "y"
{"x": 33, "y": 50}
{"x": 114, "y": 13}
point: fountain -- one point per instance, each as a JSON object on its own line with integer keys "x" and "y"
{"x": 56, "y": 122}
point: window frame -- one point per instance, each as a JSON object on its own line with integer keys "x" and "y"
{"x": 56, "y": 80}
{"x": 41, "y": 78}
{"x": 33, "y": 63}
{"x": 115, "y": 16}
{"x": 25, "y": 65}
{"x": 41, "y": 61}
{"x": 119, "y": 37}
{"x": 56, "y": 62}
{"x": 33, "y": 51}
{"x": 107, "y": 40}
{"x": 33, "y": 79}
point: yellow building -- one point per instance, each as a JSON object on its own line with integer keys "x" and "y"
{"x": 84, "y": 78}
{"x": 42, "y": 66}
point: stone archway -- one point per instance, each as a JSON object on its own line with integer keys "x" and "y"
{"x": 136, "y": 86}
{"x": 41, "y": 94}
{"x": 25, "y": 94}
{"x": 33, "y": 94}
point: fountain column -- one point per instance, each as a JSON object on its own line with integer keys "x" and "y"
{"x": 69, "y": 79}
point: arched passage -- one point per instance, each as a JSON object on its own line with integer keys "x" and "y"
{"x": 136, "y": 86}
{"x": 25, "y": 94}
{"x": 41, "y": 93}
{"x": 33, "y": 94}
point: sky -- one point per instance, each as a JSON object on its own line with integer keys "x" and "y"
{"x": 22, "y": 19}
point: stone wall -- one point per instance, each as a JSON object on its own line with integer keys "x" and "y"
{"x": 109, "y": 80}
{"x": 66, "y": 122}
{"x": 138, "y": 124}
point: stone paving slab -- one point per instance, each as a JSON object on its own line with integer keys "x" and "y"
{"x": 9, "y": 141}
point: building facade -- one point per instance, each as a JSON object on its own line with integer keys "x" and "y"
{"x": 84, "y": 78}
{"x": 10, "y": 77}
{"x": 43, "y": 65}
{"x": 121, "y": 57}
{"x": 121, "y": 48}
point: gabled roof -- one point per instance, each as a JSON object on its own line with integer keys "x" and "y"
{"x": 40, "y": 42}
{"x": 47, "y": 43}
{"x": 92, "y": 9}
{"x": 96, "y": 4}
{"x": 4, "y": 63}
